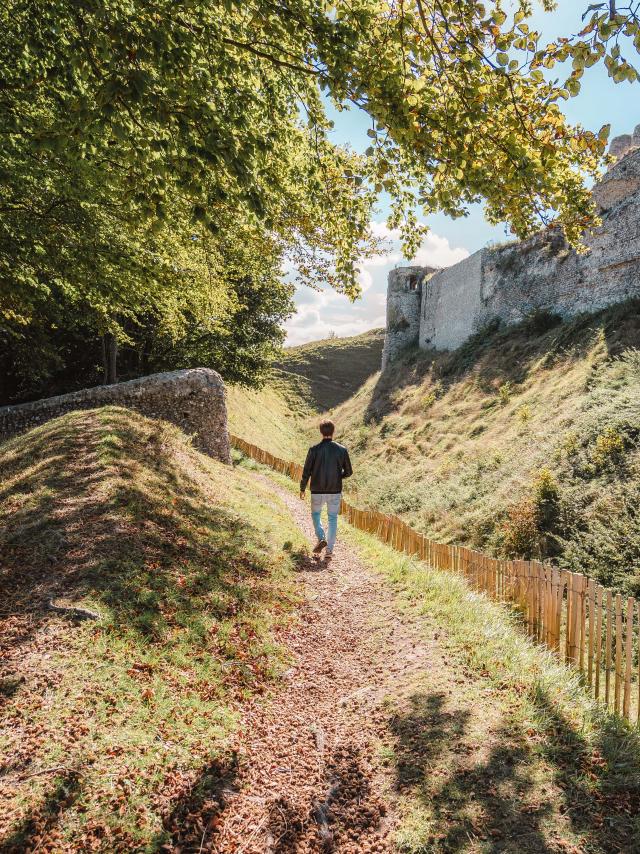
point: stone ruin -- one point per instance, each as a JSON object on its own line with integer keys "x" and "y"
{"x": 441, "y": 309}
{"x": 622, "y": 145}
{"x": 194, "y": 400}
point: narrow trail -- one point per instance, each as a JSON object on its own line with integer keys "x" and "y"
{"x": 313, "y": 779}
{"x": 313, "y": 774}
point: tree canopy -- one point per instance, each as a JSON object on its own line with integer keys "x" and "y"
{"x": 152, "y": 150}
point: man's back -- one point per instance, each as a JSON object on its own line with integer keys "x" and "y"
{"x": 326, "y": 465}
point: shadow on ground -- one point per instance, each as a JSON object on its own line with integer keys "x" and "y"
{"x": 123, "y": 543}
{"x": 495, "y": 802}
{"x": 100, "y": 506}
{"x": 190, "y": 815}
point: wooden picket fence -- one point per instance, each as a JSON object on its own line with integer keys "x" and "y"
{"x": 586, "y": 625}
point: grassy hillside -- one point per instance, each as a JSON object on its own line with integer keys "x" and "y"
{"x": 271, "y": 417}
{"x": 117, "y": 733}
{"x": 332, "y": 370}
{"x": 522, "y": 442}
{"x": 309, "y": 379}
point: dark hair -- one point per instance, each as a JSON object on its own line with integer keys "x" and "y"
{"x": 327, "y": 428}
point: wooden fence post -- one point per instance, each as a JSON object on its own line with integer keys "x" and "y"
{"x": 618, "y": 660}
{"x": 626, "y": 703}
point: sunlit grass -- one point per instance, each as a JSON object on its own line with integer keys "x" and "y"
{"x": 565, "y": 738}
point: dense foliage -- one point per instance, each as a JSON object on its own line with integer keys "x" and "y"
{"x": 152, "y": 152}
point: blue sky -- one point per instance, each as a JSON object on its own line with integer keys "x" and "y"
{"x": 600, "y": 102}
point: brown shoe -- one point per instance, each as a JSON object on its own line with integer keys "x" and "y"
{"x": 321, "y": 544}
{"x": 328, "y": 556}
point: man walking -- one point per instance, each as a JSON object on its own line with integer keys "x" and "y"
{"x": 326, "y": 465}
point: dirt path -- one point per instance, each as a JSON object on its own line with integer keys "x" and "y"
{"x": 314, "y": 776}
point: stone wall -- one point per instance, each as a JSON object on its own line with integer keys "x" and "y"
{"x": 539, "y": 274}
{"x": 403, "y": 310}
{"x": 193, "y": 400}
{"x": 451, "y": 301}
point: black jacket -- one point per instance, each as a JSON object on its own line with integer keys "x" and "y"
{"x": 326, "y": 464}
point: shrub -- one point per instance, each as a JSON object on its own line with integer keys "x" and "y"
{"x": 519, "y": 534}
{"x": 428, "y": 400}
{"x": 570, "y": 443}
{"x": 524, "y": 532}
{"x": 361, "y": 438}
{"x": 404, "y": 500}
{"x": 504, "y": 393}
{"x": 540, "y": 322}
{"x": 524, "y": 413}
{"x": 608, "y": 448}
{"x": 546, "y": 497}
{"x": 546, "y": 487}
{"x": 603, "y": 536}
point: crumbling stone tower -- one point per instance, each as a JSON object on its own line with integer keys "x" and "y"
{"x": 404, "y": 295}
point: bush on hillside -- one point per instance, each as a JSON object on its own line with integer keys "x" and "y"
{"x": 540, "y": 322}
{"x": 608, "y": 448}
{"x": 519, "y": 534}
{"x": 529, "y": 529}
{"x": 603, "y": 535}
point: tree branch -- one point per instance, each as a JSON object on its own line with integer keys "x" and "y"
{"x": 281, "y": 62}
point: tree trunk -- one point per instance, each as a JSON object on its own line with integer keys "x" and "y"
{"x": 109, "y": 358}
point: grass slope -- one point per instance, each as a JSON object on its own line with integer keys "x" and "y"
{"x": 281, "y": 417}
{"x": 271, "y": 417}
{"x": 116, "y": 735}
{"x": 332, "y": 370}
{"x": 522, "y": 442}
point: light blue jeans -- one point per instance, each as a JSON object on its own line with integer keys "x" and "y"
{"x": 318, "y": 499}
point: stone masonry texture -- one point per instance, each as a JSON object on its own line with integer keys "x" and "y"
{"x": 512, "y": 282}
{"x": 403, "y": 310}
{"x": 194, "y": 400}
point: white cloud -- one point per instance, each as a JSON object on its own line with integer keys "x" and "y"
{"x": 321, "y": 312}
{"x": 382, "y": 230}
{"x": 436, "y": 252}
{"x": 365, "y": 279}
{"x": 300, "y": 331}
{"x": 384, "y": 260}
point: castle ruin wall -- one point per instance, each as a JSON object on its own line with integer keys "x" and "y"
{"x": 403, "y": 310}
{"x": 451, "y": 299}
{"x": 542, "y": 273}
